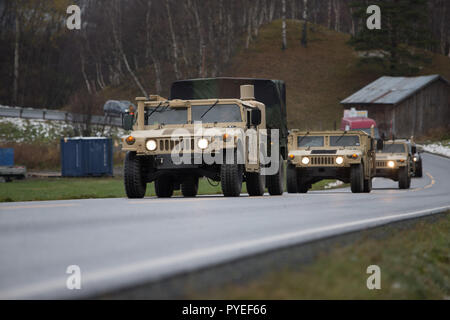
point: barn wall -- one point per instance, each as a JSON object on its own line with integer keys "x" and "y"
{"x": 428, "y": 108}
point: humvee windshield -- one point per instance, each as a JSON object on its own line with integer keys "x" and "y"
{"x": 344, "y": 141}
{"x": 165, "y": 116}
{"x": 393, "y": 148}
{"x": 310, "y": 141}
{"x": 369, "y": 132}
{"x": 220, "y": 113}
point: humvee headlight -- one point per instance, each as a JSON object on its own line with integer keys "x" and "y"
{"x": 130, "y": 140}
{"x": 415, "y": 159}
{"x": 151, "y": 145}
{"x": 305, "y": 160}
{"x": 339, "y": 160}
{"x": 391, "y": 164}
{"x": 203, "y": 144}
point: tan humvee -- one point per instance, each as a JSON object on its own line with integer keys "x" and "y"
{"x": 348, "y": 156}
{"x": 395, "y": 162}
{"x": 165, "y": 132}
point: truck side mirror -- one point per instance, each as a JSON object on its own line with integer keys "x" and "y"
{"x": 414, "y": 149}
{"x": 380, "y": 144}
{"x": 256, "y": 117}
{"x": 127, "y": 121}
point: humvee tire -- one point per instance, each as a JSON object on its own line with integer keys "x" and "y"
{"x": 164, "y": 187}
{"x": 367, "y": 185}
{"x": 301, "y": 186}
{"x": 255, "y": 184}
{"x": 291, "y": 178}
{"x": 135, "y": 185}
{"x": 357, "y": 178}
{"x": 276, "y": 181}
{"x": 404, "y": 180}
{"x": 189, "y": 187}
{"x": 419, "y": 171}
{"x": 231, "y": 179}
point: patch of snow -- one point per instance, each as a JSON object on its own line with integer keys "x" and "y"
{"x": 335, "y": 184}
{"x": 437, "y": 148}
{"x": 30, "y": 130}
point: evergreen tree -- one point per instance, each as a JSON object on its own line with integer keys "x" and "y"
{"x": 400, "y": 46}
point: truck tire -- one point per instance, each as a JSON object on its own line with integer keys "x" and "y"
{"x": 231, "y": 179}
{"x": 255, "y": 184}
{"x": 357, "y": 178}
{"x": 404, "y": 179}
{"x": 302, "y": 187}
{"x": 291, "y": 178}
{"x": 135, "y": 185}
{"x": 189, "y": 187}
{"x": 419, "y": 172}
{"x": 164, "y": 187}
{"x": 367, "y": 185}
{"x": 276, "y": 181}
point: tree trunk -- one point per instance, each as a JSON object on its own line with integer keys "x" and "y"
{"x": 305, "y": 24}
{"x": 337, "y": 15}
{"x": 174, "y": 42}
{"x": 283, "y": 27}
{"x": 330, "y": 3}
{"x": 16, "y": 61}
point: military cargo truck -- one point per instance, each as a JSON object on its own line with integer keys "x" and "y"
{"x": 345, "y": 156}
{"x": 395, "y": 161}
{"x": 213, "y": 128}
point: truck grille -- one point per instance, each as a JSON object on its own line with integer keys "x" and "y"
{"x": 322, "y": 160}
{"x": 381, "y": 164}
{"x": 167, "y": 145}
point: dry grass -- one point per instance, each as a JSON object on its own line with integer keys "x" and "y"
{"x": 36, "y": 156}
{"x": 435, "y": 134}
{"x": 414, "y": 265}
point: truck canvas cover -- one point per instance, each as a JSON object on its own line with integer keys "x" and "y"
{"x": 270, "y": 92}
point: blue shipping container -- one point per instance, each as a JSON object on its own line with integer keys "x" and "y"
{"x": 6, "y": 157}
{"x": 83, "y": 157}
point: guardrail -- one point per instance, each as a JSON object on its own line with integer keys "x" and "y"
{"x": 54, "y": 115}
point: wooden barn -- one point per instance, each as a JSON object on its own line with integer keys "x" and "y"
{"x": 405, "y": 107}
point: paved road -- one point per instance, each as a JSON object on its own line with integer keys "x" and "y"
{"x": 120, "y": 242}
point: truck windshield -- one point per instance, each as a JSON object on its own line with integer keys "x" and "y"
{"x": 220, "y": 113}
{"x": 344, "y": 141}
{"x": 310, "y": 141}
{"x": 393, "y": 148}
{"x": 166, "y": 116}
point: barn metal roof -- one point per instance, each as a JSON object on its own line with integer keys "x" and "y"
{"x": 390, "y": 90}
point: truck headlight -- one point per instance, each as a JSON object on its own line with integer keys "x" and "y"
{"x": 150, "y": 145}
{"x": 203, "y": 144}
{"x": 339, "y": 160}
{"x": 391, "y": 164}
{"x": 130, "y": 140}
{"x": 305, "y": 160}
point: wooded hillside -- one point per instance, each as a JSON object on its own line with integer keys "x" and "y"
{"x": 141, "y": 46}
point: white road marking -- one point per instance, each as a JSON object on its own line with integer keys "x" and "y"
{"x": 39, "y": 206}
{"x": 179, "y": 259}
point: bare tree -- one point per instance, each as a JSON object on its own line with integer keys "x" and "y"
{"x": 305, "y": 24}
{"x": 283, "y": 27}
{"x": 16, "y": 59}
{"x": 174, "y": 42}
